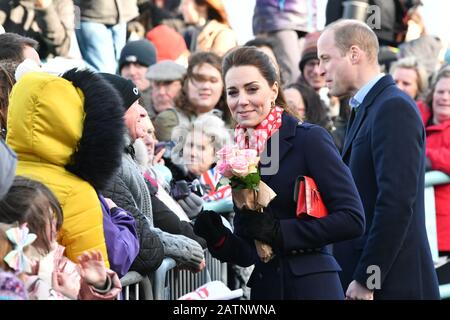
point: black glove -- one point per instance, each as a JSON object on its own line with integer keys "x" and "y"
{"x": 261, "y": 226}
{"x": 209, "y": 226}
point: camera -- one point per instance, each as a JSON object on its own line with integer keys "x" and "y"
{"x": 181, "y": 189}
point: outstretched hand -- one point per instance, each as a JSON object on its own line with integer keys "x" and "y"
{"x": 92, "y": 268}
{"x": 209, "y": 226}
{"x": 193, "y": 269}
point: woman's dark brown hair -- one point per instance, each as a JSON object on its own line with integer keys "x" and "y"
{"x": 182, "y": 100}
{"x": 29, "y": 201}
{"x": 7, "y": 81}
{"x": 315, "y": 111}
{"x": 251, "y": 56}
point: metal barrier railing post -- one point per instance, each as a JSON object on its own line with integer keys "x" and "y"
{"x": 432, "y": 179}
{"x": 159, "y": 278}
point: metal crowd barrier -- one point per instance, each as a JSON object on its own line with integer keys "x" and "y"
{"x": 170, "y": 282}
{"x": 434, "y": 178}
{"x": 133, "y": 282}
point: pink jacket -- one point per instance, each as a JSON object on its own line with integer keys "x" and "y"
{"x": 40, "y": 286}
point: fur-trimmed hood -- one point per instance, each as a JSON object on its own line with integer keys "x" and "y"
{"x": 74, "y": 121}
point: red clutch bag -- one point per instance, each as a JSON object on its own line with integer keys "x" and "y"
{"x": 308, "y": 198}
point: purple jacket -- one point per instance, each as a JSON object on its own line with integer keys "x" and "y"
{"x": 121, "y": 239}
{"x": 275, "y": 15}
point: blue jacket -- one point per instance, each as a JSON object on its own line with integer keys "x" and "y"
{"x": 385, "y": 150}
{"x": 298, "y": 271}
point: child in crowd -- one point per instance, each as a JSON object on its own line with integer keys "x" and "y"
{"x": 54, "y": 276}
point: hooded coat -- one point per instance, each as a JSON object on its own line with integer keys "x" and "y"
{"x": 58, "y": 128}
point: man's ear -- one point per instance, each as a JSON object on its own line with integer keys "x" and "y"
{"x": 355, "y": 54}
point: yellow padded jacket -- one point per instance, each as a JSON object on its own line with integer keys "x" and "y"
{"x": 45, "y": 123}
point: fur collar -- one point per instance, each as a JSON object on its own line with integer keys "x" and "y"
{"x": 99, "y": 151}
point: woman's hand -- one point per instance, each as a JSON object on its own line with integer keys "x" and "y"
{"x": 261, "y": 226}
{"x": 209, "y": 226}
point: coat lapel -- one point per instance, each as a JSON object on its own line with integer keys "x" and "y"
{"x": 362, "y": 111}
{"x": 278, "y": 146}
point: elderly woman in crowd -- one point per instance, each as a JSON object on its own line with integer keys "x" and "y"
{"x": 196, "y": 149}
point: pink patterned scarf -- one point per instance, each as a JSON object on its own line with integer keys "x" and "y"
{"x": 255, "y": 138}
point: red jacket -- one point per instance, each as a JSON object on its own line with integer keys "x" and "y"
{"x": 438, "y": 151}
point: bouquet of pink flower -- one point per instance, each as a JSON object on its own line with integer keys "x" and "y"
{"x": 239, "y": 168}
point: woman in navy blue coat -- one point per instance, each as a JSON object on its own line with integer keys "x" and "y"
{"x": 303, "y": 266}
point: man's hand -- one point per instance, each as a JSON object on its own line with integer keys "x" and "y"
{"x": 356, "y": 291}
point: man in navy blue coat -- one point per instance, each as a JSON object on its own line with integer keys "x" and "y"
{"x": 385, "y": 151}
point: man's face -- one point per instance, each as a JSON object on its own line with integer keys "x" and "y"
{"x": 135, "y": 121}
{"x": 164, "y": 93}
{"x": 31, "y": 53}
{"x": 336, "y": 68}
{"x": 136, "y": 73}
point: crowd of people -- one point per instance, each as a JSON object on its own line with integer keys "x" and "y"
{"x": 112, "y": 113}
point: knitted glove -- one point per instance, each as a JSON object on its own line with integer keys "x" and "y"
{"x": 261, "y": 226}
{"x": 184, "y": 250}
{"x": 192, "y": 205}
{"x": 209, "y": 226}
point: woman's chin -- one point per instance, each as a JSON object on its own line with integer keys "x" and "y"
{"x": 248, "y": 123}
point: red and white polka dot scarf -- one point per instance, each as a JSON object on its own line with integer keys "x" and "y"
{"x": 255, "y": 138}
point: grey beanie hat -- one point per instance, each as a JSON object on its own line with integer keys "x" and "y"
{"x": 8, "y": 162}
{"x": 166, "y": 70}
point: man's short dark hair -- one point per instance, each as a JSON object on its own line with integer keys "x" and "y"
{"x": 12, "y": 45}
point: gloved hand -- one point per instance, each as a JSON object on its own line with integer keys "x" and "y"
{"x": 261, "y": 226}
{"x": 186, "y": 251}
{"x": 209, "y": 226}
{"x": 192, "y": 205}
